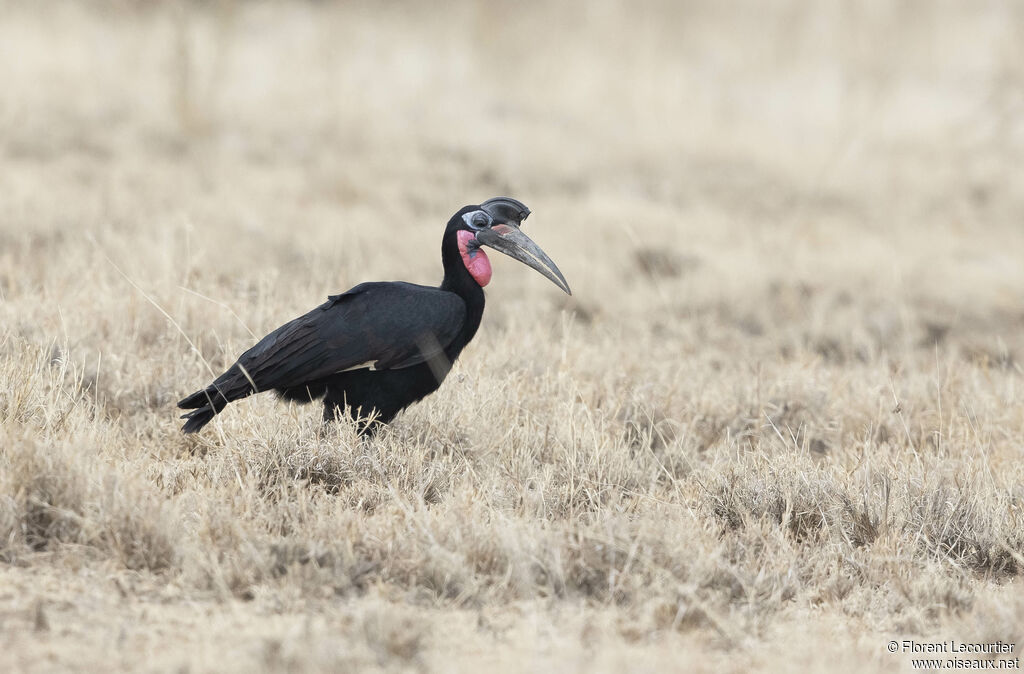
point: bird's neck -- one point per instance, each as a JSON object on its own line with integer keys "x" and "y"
{"x": 459, "y": 280}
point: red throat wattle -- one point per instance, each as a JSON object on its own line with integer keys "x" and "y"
{"x": 476, "y": 261}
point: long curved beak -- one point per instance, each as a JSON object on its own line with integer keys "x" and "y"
{"x": 511, "y": 241}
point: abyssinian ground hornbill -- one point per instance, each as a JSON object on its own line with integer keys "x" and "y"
{"x": 379, "y": 347}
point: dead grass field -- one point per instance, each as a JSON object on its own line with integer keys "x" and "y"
{"x": 780, "y": 423}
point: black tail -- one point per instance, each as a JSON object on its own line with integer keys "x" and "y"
{"x": 197, "y": 419}
{"x": 205, "y": 405}
{"x": 204, "y": 396}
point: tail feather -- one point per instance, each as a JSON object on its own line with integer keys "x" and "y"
{"x": 208, "y": 402}
{"x": 205, "y": 405}
{"x": 200, "y": 398}
{"x": 196, "y": 419}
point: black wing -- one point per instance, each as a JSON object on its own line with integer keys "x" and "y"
{"x": 379, "y": 325}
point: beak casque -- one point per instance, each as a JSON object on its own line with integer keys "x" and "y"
{"x": 506, "y": 209}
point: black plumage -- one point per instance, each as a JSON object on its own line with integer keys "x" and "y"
{"x": 377, "y": 348}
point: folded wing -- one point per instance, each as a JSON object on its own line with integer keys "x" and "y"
{"x": 375, "y": 325}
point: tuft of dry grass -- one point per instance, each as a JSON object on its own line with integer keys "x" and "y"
{"x": 778, "y": 425}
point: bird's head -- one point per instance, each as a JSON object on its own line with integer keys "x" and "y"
{"x": 496, "y": 224}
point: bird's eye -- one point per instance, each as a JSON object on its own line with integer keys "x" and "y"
{"x": 477, "y": 220}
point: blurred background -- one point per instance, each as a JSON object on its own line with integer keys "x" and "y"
{"x": 679, "y": 157}
{"x": 782, "y": 406}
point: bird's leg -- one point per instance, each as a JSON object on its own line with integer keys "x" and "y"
{"x": 366, "y": 426}
{"x": 331, "y": 411}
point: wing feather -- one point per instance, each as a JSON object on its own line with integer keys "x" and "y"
{"x": 392, "y": 325}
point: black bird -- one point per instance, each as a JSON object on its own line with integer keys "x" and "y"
{"x": 379, "y": 347}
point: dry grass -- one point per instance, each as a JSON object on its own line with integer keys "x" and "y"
{"x": 779, "y": 424}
